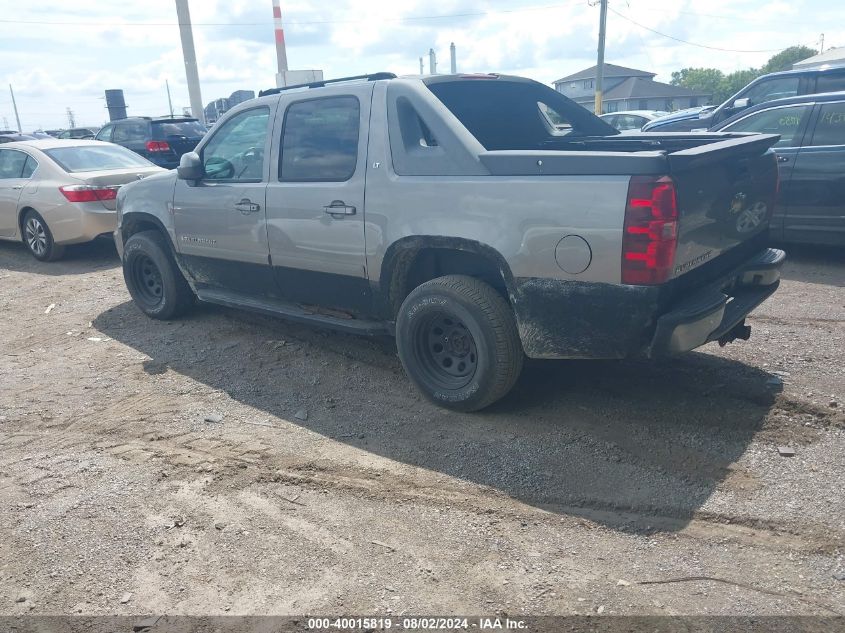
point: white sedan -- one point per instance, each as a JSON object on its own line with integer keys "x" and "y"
{"x": 631, "y": 120}
{"x": 57, "y": 192}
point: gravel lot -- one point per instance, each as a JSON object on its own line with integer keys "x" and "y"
{"x": 231, "y": 463}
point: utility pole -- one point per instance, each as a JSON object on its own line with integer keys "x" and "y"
{"x": 169, "y": 102}
{"x": 432, "y": 62}
{"x": 191, "y": 72}
{"x": 600, "y": 65}
{"x": 453, "y": 60}
{"x": 15, "y": 106}
{"x": 70, "y": 120}
{"x": 821, "y": 44}
{"x": 422, "y": 68}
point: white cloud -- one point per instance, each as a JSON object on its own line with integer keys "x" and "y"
{"x": 135, "y": 46}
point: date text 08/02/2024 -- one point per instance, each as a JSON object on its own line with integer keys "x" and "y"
{"x": 415, "y": 623}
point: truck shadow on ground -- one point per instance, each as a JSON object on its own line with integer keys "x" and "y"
{"x": 633, "y": 444}
{"x": 78, "y": 258}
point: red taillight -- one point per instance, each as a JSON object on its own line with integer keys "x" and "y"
{"x": 158, "y": 146}
{"x": 88, "y": 193}
{"x": 651, "y": 230}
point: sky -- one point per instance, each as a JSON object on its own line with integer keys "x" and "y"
{"x": 60, "y": 54}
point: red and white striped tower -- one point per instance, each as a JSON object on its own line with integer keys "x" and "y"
{"x": 281, "y": 53}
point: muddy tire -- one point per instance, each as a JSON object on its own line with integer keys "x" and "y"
{"x": 152, "y": 277}
{"x": 38, "y": 238}
{"x": 458, "y": 341}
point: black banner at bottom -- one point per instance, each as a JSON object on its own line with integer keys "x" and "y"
{"x": 361, "y": 624}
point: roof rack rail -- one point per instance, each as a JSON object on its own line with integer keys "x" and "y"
{"x": 320, "y": 84}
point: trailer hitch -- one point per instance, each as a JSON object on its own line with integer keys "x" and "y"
{"x": 739, "y": 331}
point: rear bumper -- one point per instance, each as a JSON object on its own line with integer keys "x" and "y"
{"x": 571, "y": 319}
{"x": 717, "y": 312}
{"x": 78, "y": 223}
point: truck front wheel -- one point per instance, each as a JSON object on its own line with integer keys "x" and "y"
{"x": 152, "y": 277}
{"x": 458, "y": 341}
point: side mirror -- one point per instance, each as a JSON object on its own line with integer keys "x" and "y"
{"x": 741, "y": 103}
{"x": 190, "y": 167}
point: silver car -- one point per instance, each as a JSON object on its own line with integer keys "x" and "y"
{"x": 57, "y": 192}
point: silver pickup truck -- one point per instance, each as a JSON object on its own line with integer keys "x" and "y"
{"x": 478, "y": 218}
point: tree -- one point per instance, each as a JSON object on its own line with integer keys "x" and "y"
{"x": 734, "y": 82}
{"x": 787, "y": 57}
{"x": 720, "y": 86}
{"x": 707, "y": 80}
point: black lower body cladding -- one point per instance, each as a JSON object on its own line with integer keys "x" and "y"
{"x": 569, "y": 319}
{"x": 575, "y": 319}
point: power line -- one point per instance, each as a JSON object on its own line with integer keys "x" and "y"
{"x": 411, "y": 18}
{"x": 678, "y": 39}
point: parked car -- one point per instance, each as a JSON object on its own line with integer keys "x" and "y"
{"x": 13, "y": 137}
{"x": 811, "y": 162}
{"x": 663, "y": 124}
{"x": 162, "y": 140}
{"x": 769, "y": 87}
{"x": 628, "y": 120}
{"x": 382, "y": 205}
{"x": 57, "y": 192}
{"x": 53, "y": 133}
{"x": 40, "y": 134}
{"x": 77, "y": 132}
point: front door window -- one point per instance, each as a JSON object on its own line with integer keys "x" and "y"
{"x": 236, "y": 151}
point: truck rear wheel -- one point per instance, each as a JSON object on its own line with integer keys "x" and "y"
{"x": 458, "y": 341}
{"x": 152, "y": 277}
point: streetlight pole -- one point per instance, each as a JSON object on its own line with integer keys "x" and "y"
{"x": 15, "y": 106}
{"x": 191, "y": 72}
{"x": 600, "y": 65}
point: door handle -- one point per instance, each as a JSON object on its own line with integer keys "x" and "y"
{"x": 783, "y": 159}
{"x": 17, "y": 187}
{"x": 339, "y": 207}
{"x": 247, "y": 206}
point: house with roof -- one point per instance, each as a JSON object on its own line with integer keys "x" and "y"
{"x": 831, "y": 57}
{"x": 628, "y": 89}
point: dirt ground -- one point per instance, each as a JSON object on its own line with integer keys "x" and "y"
{"x": 230, "y": 463}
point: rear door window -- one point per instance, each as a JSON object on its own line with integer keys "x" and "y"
{"x": 320, "y": 140}
{"x": 830, "y": 126}
{"x": 788, "y": 122}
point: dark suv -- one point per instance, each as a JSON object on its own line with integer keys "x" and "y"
{"x": 790, "y": 83}
{"x": 159, "y": 140}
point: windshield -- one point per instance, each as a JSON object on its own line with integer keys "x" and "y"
{"x": 95, "y": 158}
{"x": 190, "y": 129}
{"x": 504, "y": 114}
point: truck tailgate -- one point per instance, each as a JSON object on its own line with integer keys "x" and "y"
{"x": 726, "y": 192}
